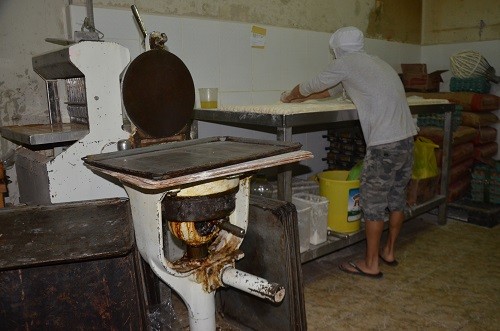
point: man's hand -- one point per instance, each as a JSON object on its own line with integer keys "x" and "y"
{"x": 292, "y": 96}
{"x": 285, "y": 96}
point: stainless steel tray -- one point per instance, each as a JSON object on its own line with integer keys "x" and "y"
{"x": 40, "y": 134}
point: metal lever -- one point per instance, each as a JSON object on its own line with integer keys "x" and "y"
{"x": 253, "y": 285}
{"x": 139, "y": 21}
{"x": 231, "y": 228}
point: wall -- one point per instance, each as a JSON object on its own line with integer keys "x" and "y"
{"x": 219, "y": 54}
{"x": 24, "y": 24}
{"x": 459, "y": 21}
{"x": 381, "y": 19}
{"x": 297, "y": 31}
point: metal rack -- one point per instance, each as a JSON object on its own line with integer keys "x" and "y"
{"x": 284, "y": 124}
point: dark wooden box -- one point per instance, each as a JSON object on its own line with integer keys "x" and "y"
{"x": 70, "y": 266}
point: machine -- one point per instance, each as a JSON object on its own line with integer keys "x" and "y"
{"x": 189, "y": 199}
{"x": 85, "y": 113}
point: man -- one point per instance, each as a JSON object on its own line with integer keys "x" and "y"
{"x": 388, "y": 129}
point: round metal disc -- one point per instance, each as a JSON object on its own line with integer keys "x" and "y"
{"x": 158, "y": 93}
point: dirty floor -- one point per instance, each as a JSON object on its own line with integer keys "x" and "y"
{"x": 448, "y": 278}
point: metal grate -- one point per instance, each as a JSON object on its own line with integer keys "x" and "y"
{"x": 77, "y": 100}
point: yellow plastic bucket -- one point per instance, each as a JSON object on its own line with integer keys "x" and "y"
{"x": 344, "y": 213}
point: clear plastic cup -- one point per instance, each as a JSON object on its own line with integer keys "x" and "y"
{"x": 209, "y": 97}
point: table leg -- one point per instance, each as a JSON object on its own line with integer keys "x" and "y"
{"x": 285, "y": 172}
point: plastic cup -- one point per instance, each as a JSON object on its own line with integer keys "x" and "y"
{"x": 208, "y": 97}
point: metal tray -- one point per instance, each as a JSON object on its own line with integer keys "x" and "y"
{"x": 175, "y": 159}
{"x": 40, "y": 134}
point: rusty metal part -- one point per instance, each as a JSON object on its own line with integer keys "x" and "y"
{"x": 196, "y": 252}
{"x": 231, "y": 228}
{"x": 157, "y": 40}
{"x": 199, "y": 208}
{"x": 209, "y": 274}
{"x": 207, "y": 270}
{"x": 158, "y": 93}
{"x": 187, "y": 232}
{"x": 141, "y": 139}
{"x": 205, "y": 228}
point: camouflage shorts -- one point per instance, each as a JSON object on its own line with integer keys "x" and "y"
{"x": 386, "y": 171}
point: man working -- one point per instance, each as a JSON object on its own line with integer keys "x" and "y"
{"x": 388, "y": 129}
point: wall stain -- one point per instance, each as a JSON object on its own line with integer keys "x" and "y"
{"x": 11, "y": 105}
{"x": 389, "y": 20}
{"x": 357, "y": 8}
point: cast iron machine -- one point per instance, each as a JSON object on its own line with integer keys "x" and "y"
{"x": 189, "y": 199}
{"x": 197, "y": 191}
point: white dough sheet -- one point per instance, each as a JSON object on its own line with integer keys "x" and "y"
{"x": 312, "y": 106}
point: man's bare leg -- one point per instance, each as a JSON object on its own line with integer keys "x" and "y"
{"x": 373, "y": 232}
{"x": 396, "y": 220}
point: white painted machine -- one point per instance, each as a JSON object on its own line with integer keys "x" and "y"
{"x": 189, "y": 199}
{"x": 49, "y": 166}
{"x": 196, "y": 193}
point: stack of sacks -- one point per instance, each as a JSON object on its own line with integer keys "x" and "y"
{"x": 462, "y": 157}
{"x": 473, "y": 141}
{"x": 485, "y": 145}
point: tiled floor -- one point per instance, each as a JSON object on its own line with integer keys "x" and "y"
{"x": 448, "y": 278}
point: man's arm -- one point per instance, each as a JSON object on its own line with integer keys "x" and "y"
{"x": 295, "y": 96}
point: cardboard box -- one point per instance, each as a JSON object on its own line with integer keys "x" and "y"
{"x": 421, "y": 190}
{"x": 416, "y": 78}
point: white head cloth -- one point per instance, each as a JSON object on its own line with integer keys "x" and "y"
{"x": 347, "y": 40}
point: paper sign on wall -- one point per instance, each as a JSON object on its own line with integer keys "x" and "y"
{"x": 258, "y": 39}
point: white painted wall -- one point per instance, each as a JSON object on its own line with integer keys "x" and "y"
{"x": 219, "y": 54}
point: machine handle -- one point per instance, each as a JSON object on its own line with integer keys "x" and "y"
{"x": 253, "y": 285}
{"x": 231, "y": 228}
{"x": 138, "y": 20}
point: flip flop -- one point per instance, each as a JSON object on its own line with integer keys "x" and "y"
{"x": 359, "y": 272}
{"x": 389, "y": 263}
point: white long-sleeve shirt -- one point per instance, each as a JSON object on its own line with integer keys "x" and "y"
{"x": 376, "y": 91}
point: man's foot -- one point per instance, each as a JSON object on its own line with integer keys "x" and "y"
{"x": 353, "y": 269}
{"x": 392, "y": 263}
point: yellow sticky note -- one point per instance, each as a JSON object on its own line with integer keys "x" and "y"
{"x": 258, "y": 39}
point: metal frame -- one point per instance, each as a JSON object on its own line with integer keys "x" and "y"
{"x": 284, "y": 125}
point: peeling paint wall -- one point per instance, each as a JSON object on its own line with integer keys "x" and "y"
{"x": 458, "y": 21}
{"x": 390, "y": 20}
{"x": 381, "y": 19}
{"x": 24, "y": 24}
{"x": 23, "y": 27}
